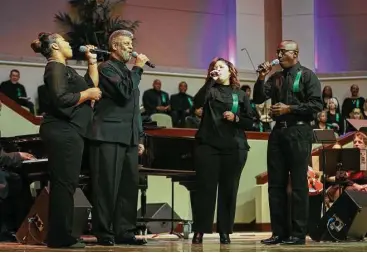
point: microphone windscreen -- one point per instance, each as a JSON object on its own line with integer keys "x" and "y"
{"x": 274, "y": 62}
{"x": 134, "y": 54}
{"x": 83, "y": 49}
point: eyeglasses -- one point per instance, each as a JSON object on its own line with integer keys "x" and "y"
{"x": 283, "y": 51}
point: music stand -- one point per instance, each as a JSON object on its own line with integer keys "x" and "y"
{"x": 323, "y": 137}
{"x": 347, "y": 159}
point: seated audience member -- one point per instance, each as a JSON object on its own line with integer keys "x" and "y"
{"x": 15, "y": 195}
{"x": 355, "y": 114}
{"x": 194, "y": 120}
{"x": 355, "y": 181}
{"x": 352, "y": 102}
{"x": 181, "y": 104}
{"x": 254, "y": 112}
{"x": 43, "y": 99}
{"x": 155, "y": 100}
{"x": 333, "y": 116}
{"x": 16, "y": 91}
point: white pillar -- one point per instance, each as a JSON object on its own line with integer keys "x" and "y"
{"x": 299, "y": 25}
{"x": 250, "y": 33}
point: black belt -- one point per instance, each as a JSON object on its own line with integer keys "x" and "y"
{"x": 286, "y": 124}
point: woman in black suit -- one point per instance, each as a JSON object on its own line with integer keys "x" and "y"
{"x": 63, "y": 129}
{"x": 222, "y": 149}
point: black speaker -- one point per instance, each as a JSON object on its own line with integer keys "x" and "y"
{"x": 159, "y": 211}
{"x": 34, "y": 228}
{"x": 345, "y": 220}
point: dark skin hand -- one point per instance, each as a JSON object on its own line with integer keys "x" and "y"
{"x": 279, "y": 109}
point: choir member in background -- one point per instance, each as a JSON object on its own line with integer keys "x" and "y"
{"x": 181, "y": 104}
{"x": 334, "y": 117}
{"x": 352, "y": 102}
{"x": 327, "y": 94}
{"x": 115, "y": 144}
{"x": 255, "y": 114}
{"x": 16, "y": 91}
{"x": 156, "y": 100}
{"x": 356, "y": 113}
{"x": 222, "y": 149}
{"x": 63, "y": 129}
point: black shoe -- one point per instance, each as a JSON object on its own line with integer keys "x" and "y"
{"x": 106, "y": 241}
{"x": 224, "y": 238}
{"x": 7, "y": 236}
{"x": 294, "y": 241}
{"x": 198, "y": 238}
{"x": 272, "y": 240}
{"x": 130, "y": 241}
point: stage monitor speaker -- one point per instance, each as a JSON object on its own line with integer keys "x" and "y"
{"x": 159, "y": 211}
{"x": 345, "y": 220}
{"x": 34, "y": 228}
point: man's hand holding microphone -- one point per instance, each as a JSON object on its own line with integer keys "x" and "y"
{"x": 278, "y": 108}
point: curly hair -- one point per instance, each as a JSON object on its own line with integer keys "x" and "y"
{"x": 42, "y": 45}
{"x": 233, "y": 79}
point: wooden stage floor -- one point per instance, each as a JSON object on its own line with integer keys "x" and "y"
{"x": 241, "y": 242}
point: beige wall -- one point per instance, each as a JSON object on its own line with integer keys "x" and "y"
{"x": 172, "y": 33}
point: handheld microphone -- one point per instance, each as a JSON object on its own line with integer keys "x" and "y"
{"x": 84, "y": 49}
{"x": 272, "y": 63}
{"x": 148, "y": 63}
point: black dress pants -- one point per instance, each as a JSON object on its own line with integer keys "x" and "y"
{"x": 215, "y": 168}
{"x": 65, "y": 151}
{"x": 115, "y": 181}
{"x": 289, "y": 151}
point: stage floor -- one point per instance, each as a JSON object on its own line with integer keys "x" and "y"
{"x": 240, "y": 242}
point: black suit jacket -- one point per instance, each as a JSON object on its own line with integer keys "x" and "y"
{"x": 117, "y": 114}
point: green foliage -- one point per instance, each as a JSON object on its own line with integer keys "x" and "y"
{"x": 92, "y": 23}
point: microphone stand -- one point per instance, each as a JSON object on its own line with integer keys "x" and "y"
{"x": 253, "y": 66}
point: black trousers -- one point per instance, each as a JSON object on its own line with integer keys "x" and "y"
{"x": 115, "y": 181}
{"x": 215, "y": 168}
{"x": 65, "y": 151}
{"x": 179, "y": 118}
{"x": 289, "y": 151}
{"x": 15, "y": 207}
{"x": 28, "y": 104}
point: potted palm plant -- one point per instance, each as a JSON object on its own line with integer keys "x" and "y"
{"x": 91, "y": 22}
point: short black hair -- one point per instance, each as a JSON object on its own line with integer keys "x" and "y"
{"x": 14, "y": 70}
{"x": 245, "y": 87}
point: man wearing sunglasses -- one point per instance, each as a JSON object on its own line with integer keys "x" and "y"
{"x": 295, "y": 94}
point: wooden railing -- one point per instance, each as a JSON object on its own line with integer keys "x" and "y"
{"x": 19, "y": 109}
{"x": 189, "y": 132}
{"x": 345, "y": 139}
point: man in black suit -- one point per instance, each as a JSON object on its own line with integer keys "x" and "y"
{"x": 15, "y": 195}
{"x": 114, "y": 145}
{"x": 181, "y": 104}
{"x": 156, "y": 100}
